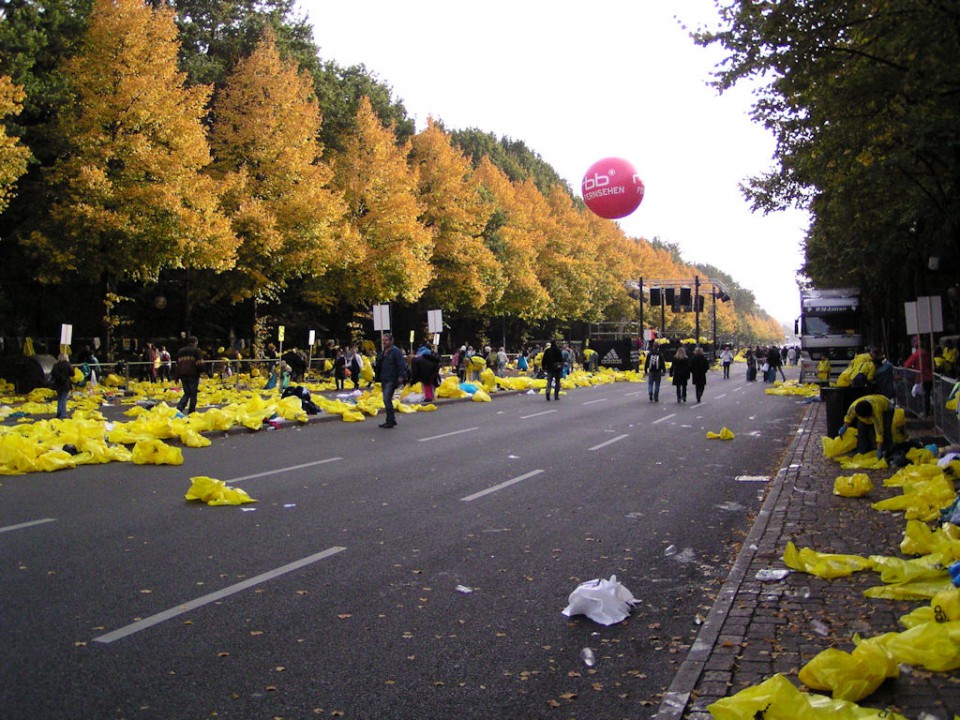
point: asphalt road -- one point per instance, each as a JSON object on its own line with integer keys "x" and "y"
{"x": 418, "y": 572}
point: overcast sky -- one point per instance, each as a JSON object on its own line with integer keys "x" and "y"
{"x": 579, "y": 81}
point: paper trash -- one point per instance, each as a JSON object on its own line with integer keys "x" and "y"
{"x": 604, "y": 601}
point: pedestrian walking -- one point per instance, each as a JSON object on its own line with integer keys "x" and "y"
{"x": 699, "y": 366}
{"x": 391, "y": 372}
{"x": 187, "y": 371}
{"x": 680, "y": 372}
{"x": 775, "y": 360}
{"x": 61, "y": 378}
{"x": 552, "y": 362}
{"x": 425, "y": 369}
{"x": 339, "y": 369}
{"x": 726, "y": 360}
{"x": 653, "y": 367}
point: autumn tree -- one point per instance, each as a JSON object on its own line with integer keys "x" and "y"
{"x": 289, "y": 221}
{"x": 13, "y": 155}
{"x": 392, "y": 258}
{"x": 466, "y": 273}
{"x": 130, "y": 197}
{"x": 514, "y": 235}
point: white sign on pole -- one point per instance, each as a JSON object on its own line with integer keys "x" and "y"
{"x": 381, "y": 317}
{"x": 66, "y": 334}
{"x": 435, "y": 321}
{"x": 924, "y": 316}
{"x": 311, "y": 337}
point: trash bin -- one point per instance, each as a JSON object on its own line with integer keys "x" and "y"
{"x": 838, "y": 401}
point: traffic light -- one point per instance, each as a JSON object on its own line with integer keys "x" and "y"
{"x": 655, "y": 297}
{"x": 669, "y": 296}
{"x": 700, "y": 301}
{"x": 685, "y": 296}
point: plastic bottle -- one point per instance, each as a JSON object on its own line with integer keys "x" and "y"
{"x": 587, "y": 656}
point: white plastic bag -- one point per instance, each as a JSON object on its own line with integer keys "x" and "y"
{"x": 917, "y": 390}
{"x": 603, "y": 601}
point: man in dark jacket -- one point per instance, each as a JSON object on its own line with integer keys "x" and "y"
{"x": 552, "y": 362}
{"x": 391, "y": 372}
{"x": 188, "y": 368}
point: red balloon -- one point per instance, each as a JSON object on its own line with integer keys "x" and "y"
{"x": 611, "y": 188}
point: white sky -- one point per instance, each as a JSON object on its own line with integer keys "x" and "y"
{"x": 579, "y": 81}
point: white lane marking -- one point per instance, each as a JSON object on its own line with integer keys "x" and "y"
{"x": 20, "y": 526}
{"x": 666, "y": 417}
{"x": 501, "y": 486}
{"x": 611, "y": 441}
{"x": 720, "y": 396}
{"x": 283, "y": 470}
{"x": 638, "y": 392}
{"x": 738, "y": 389}
{"x": 214, "y": 596}
{"x": 591, "y": 402}
{"x": 545, "y": 412}
{"x": 752, "y": 478}
{"x": 453, "y": 432}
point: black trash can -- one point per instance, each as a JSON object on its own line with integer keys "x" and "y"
{"x": 838, "y": 400}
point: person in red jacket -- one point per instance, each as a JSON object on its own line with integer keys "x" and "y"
{"x": 921, "y": 361}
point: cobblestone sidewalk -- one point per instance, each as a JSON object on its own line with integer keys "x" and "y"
{"x": 757, "y": 629}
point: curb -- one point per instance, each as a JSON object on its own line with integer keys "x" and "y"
{"x": 677, "y": 697}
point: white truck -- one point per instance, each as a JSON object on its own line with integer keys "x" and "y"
{"x": 830, "y": 325}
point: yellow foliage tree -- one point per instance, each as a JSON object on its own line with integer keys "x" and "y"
{"x": 466, "y": 273}
{"x": 277, "y": 191}
{"x": 515, "y": 235}
{"x": 129, "y": 195}
{"x": 380, "y": 189}
{"x": 13, "y": 156}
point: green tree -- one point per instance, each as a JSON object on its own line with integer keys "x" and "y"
{"x": 130, "y": 197}
{"x": 863, "y": 101}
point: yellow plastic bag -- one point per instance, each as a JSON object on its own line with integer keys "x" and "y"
{"x": 216, "y": 492}
{"x": 156, "y": 452}
{"x": 481, "y": 396}
{"x": 724, "y": 434}
{"x": 863, "y": 461}
{"x": 856, "y": 485}
{"x": 489, "y": 380}
{"x": 835, "y": 447}
{"x": 776, "y": 698}
{"x": 934, "y": 646}
{"x": 825, "y": 565}
{"x": 850, "y": 676}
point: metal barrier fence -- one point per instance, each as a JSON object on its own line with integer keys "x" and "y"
{"x": 932, "y": 406}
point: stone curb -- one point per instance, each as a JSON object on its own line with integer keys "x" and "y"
{"x": 677, "y": 697}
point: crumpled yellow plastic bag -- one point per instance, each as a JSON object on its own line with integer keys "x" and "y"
{"x": 856, "y": 485}
{"x": 156, "y": 452}
{"x": 915, "y": 590}
{"x": 862, "y": 461}
{"x": 835, "y": 447}
{"x": 776, "y": 698}
{"x": 216, "y": 492}
{"x": 824, "y": 565}
{"x": 919, "y": 539}
{"x": 488, "y": 379}
{"x": 934, "y": 646}
{"x": 895, "y": 570}
{"x": 922, "y": 500}
{"x": 450, "y": 388}
{"x": 943, "y": 607}
{"x": 724, "y": 434}
{"x": 850, "y": 676}
{"x": 481, "y": 396}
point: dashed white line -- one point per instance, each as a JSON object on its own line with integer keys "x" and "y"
{"x": 545, "y": 412}
{"x": 213, "y": 597}
{"x": 501, "y": 486}
{"x": 453, "y": 432}
{"x": 611, "y": 441}
{"x": 591, "y": 402}
{"x": 285, "y": 469}
{"x": 665, "y": 417}
{"x": 20, "y": 526}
